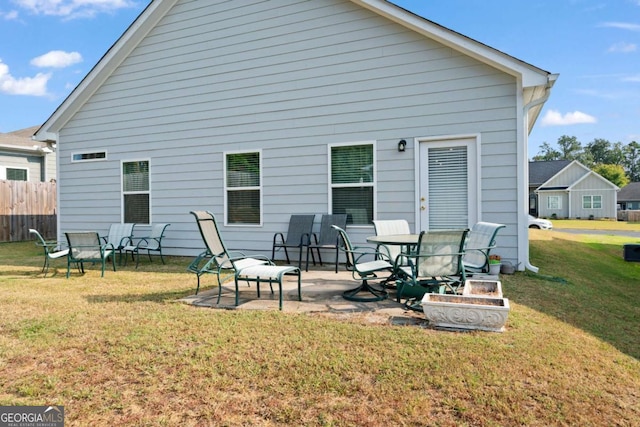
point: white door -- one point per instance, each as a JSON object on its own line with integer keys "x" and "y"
{"x": 449, "y": 184}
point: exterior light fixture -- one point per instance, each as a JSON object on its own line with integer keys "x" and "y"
{"x": 402, "y": 145}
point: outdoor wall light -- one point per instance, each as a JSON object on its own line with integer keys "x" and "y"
{"x": 402, "y": 145}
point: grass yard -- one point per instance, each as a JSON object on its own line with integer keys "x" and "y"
{"x": 120, "y": 351}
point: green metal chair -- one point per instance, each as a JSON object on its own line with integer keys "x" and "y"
{"x": 379, "y": 267}
{"x": 480, "y": 241}
{"x": 51, "y": 250}
{"x": 217, "y": 260}
{"x": 119, "y": 236}
{"x": 86, "y": 246}
{"x": 435, "y": 266}
{"x": 150, "y": 243}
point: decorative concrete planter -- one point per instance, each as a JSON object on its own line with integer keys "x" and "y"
{"x": 482, "y": 288}
{"x": 466, "y": 312}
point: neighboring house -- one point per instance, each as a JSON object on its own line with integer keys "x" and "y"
{"x": 575, "y": 191}
{"x": 629, "y": 197}
{"x": 539, "y": 173}
{"x": 23, "y": 159}
{"x": 260, "y": 110}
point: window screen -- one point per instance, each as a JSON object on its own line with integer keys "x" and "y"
{"x": 352, "y": 183}
{"x": 243, "y": 188}
{"x": 16, "y": 174}
{"x": 135, "y": 191}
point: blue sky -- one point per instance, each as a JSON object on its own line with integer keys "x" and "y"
{"x": 48, "y": 46}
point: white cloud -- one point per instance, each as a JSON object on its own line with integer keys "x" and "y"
{"x": 622, "y": 26}
{"x": 633, "y": 79}
{"x": 623, "y": 47}
{"x": 34, "y": 86}
{"x": 555, "y": 118}
{"x": 73, "y": 8}
{"x": 9, "y": 16}
{"x": 57, "y": 59}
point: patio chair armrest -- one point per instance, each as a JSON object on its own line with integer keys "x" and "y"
{"x": 275, "y": 236}
{"x": 360, "y": 252}
{"x": 106, "y": 247}
{"x": 308, "y": 239}
{"x": 142, "y": 243}
{"x": 384, "y": 250}
{"x": 195, "y": 266}
{"x": 238, "y": 255}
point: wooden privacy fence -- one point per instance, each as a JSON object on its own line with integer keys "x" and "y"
{"x": 629, "y": 216}
{"x": 25, "y": 205}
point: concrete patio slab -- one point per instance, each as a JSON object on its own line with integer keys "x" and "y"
{"x": 321, "y": 295}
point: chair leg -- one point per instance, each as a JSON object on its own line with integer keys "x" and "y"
{"x": 366, "y": 289}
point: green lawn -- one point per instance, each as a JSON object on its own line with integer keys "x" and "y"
{"x": 119, "y": 350}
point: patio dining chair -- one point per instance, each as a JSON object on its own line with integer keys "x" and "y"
{"x": 390, "y": 227}
{"x": 224, "y": 264}
{"x": 377, "y": 267}
{"x": 480, "y": 241}
{"x": 119, "y": 236}
{"x": 52, "y": 250}
{"x": 435, "y": 266}
{"x": 86, "y": 246}
{"x": 150, "y": 243}
{"x": 329, "y": 237}
{"x": 298, "y": 236}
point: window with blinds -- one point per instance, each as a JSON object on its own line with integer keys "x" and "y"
{"x": 448, "y": 188}
{"x": 135, "y": 192}
{"x": 243, "y": 188}
{"x": 14, "y": 174}
{"x": 352, "y": 182}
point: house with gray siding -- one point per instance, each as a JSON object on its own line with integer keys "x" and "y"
{"x": 257, "y": 110}
{"x": 629, "y": 197}
{"x": 577, "y": 192}
{"x": 23, "y": 159}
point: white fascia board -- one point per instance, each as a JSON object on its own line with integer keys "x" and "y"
{"x": 530, "y": 75}
{"x": 145, "y": 22}
{"x": 561, "y": 171}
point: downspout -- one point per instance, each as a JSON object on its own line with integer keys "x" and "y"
{"x": 526, "y": 108}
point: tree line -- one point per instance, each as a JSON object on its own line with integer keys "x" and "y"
{"x": 617, "y": 162}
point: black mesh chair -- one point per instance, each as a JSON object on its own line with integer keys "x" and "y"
{"x": 298, "y": 236}
{"x": 329, "y": 237}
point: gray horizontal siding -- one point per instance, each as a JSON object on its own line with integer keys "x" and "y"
{"x": 289, "y": 78}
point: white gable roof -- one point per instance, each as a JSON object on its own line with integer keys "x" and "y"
{"x": 535, "y": 82}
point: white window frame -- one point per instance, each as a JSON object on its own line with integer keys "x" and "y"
{"x": 260, "y": 187}
{"x": 123, "y": 193}
{"x": 3, "y": 169}
{"x": 82, "y": 153}
{"x": 373, "y": 183}
{"x": 556, "y": 197}
{"x": 592, "y": 199}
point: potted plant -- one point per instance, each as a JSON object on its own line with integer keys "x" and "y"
{"x": 494, "y": 265}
